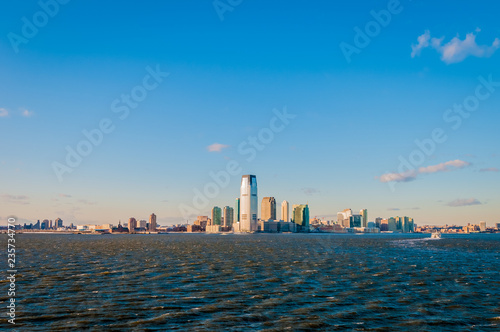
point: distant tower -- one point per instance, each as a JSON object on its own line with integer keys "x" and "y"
{"x": 58, "y": 223}
{"x": 248, "y": 203}
{"x": 482, "y": 226}
{"x": 268, "y": 209}
{"x": 132, "y": 224}
{"x": 285, "y": 211}
{"x": 364, "y": 217}
{"x": 237, "y": 210}
{"x": 228, "y": 216}
{"x": 216, "y": 216}
{"x": 301, "y": 216}
{"x": 152, "y": 222}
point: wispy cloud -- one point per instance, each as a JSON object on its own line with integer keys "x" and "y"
{"x": 217, "y": 147}
{"x": 393, "y": 209}
{"x": 444, "y": 167}
{"x": 398, "y": 177}
{"x": 84, "y": 201}
{"x": 490, "y": 169}
{"x": 3, "y": 113}
{"x": 423, "y": 42}
{"x": 16, "y": 199}
{"x": 464, "y": 202}
{"x": 65, "y": 195}
{"x": 412, "y": 175}
{"x": 310, "y": 191}
{"x": 456, "y": 50}
{"x": 26, "y": 113}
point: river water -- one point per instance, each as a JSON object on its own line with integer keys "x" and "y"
{"x": 260, "y": 282}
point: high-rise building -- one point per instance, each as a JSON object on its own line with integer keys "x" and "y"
{"x": 237, "y": 209}
{"x": 248, "y": 204}
{"x": 216, "y": 216}
{"x": 45, "y": 224}
{"x": 391, "y": 225}
{"x": 482, "y": 226}
{"x": 364, "y": 217}
{"x": 378, "y": 221}
{"x": 152, "y": 222}
{"x": 132, "y": 225}
{"x": 268, "y": 209}
{"x": 355, "y": 221}
{"x": 58, "y": 223}
{"x": 228, "y": 216}
{"x": 285, "y": 211}
{"x": 301, "y": 217}
{"x": 344, "y": 218}
{"x": 142, "y": 224}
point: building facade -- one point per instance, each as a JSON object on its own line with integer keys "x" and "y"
{"x": 248, "y": 204}
{"x": 268, "y": 209}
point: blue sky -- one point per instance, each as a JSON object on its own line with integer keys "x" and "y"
{"x": 353, "y": 119}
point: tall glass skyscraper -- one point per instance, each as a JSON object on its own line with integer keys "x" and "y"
{"x": 285, "y": 211}
{"x": 237, "y": 209}
{"x": 248, "y": 204}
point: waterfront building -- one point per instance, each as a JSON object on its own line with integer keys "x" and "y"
{"x": 355, "y": 221}
{"x": 142, "y": 224}
{"x": 248, "y": 204}
{"x": 58, "y": 223}
{"x": 482, "y": 226}
{"x": 132, "y": 225}
{"x": 152, "y": 222}
{"x": 228, "y": 216}
{"x": 237, "y": 209}
{"x": 268, "y": 209}
{"x": 301, "y": 217}
{"x": 216, "y": 216}
{"x": 364, "y": 217}
{"x": 285, "y": 211}
{"x": 344, "y": 218}
{"x": 378, "y": 222}
{"x": 391, "y": 225}
{"x": 45, "y": 224}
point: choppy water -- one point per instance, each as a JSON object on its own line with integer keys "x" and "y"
{"x": 261, "y": 282}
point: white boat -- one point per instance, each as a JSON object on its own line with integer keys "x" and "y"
{"x": 436, "y": 235}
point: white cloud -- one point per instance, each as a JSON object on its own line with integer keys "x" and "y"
{"x": 456, "y": 50}
{"x": 491, "y": 169}
{"x": 27, "y": 113}
{"x": 3, "y": 112}
{"x": 423, "y": 42}
{"x": 412, "y": 175}
{"x": 444, "y": 167}
{"x": 217, "y": 147}
{"x": 398, "y": 177}
{"x": 15, "y": 199}
{"x": 464, "y": 202}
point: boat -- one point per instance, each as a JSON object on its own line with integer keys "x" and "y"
{"x": 436, "y": 235}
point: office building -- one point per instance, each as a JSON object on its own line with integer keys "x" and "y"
{"x": 355, "y": 221}
{"x": 132, "y": 225}
{"x": 248, "y": 204}
{"x": 228, "y": 216}
{"x": 152, "y": 222}
{"x": 268, "y": 209}
{"x": 482, "y": 226}
{"x": 216, "y": 216}
{"x": 58, "y": 223}
{"x": 364, "y": 217}
{"x": 301, "y": 217}
{"x": 237, "y": 210}
{"x": 285, "y": 211}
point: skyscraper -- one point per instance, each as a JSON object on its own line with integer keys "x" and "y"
{"x": 285, "y": 211}
{"x": 364, "y": 217}
{"x": 216, "y": 216}
{"x": 301, "y": 217}
{"x": 132, "y": 224}
{"x": 248, "y": 204}
{"x": 152, "y": 222}
{"x": 237, "y": 209}
{"x": 228, "y": 216}
{"x": 58, "y": 223}
{"x": 268, "y": 209}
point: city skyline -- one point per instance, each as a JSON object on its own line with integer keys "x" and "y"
{"x": 402, "y": 121}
